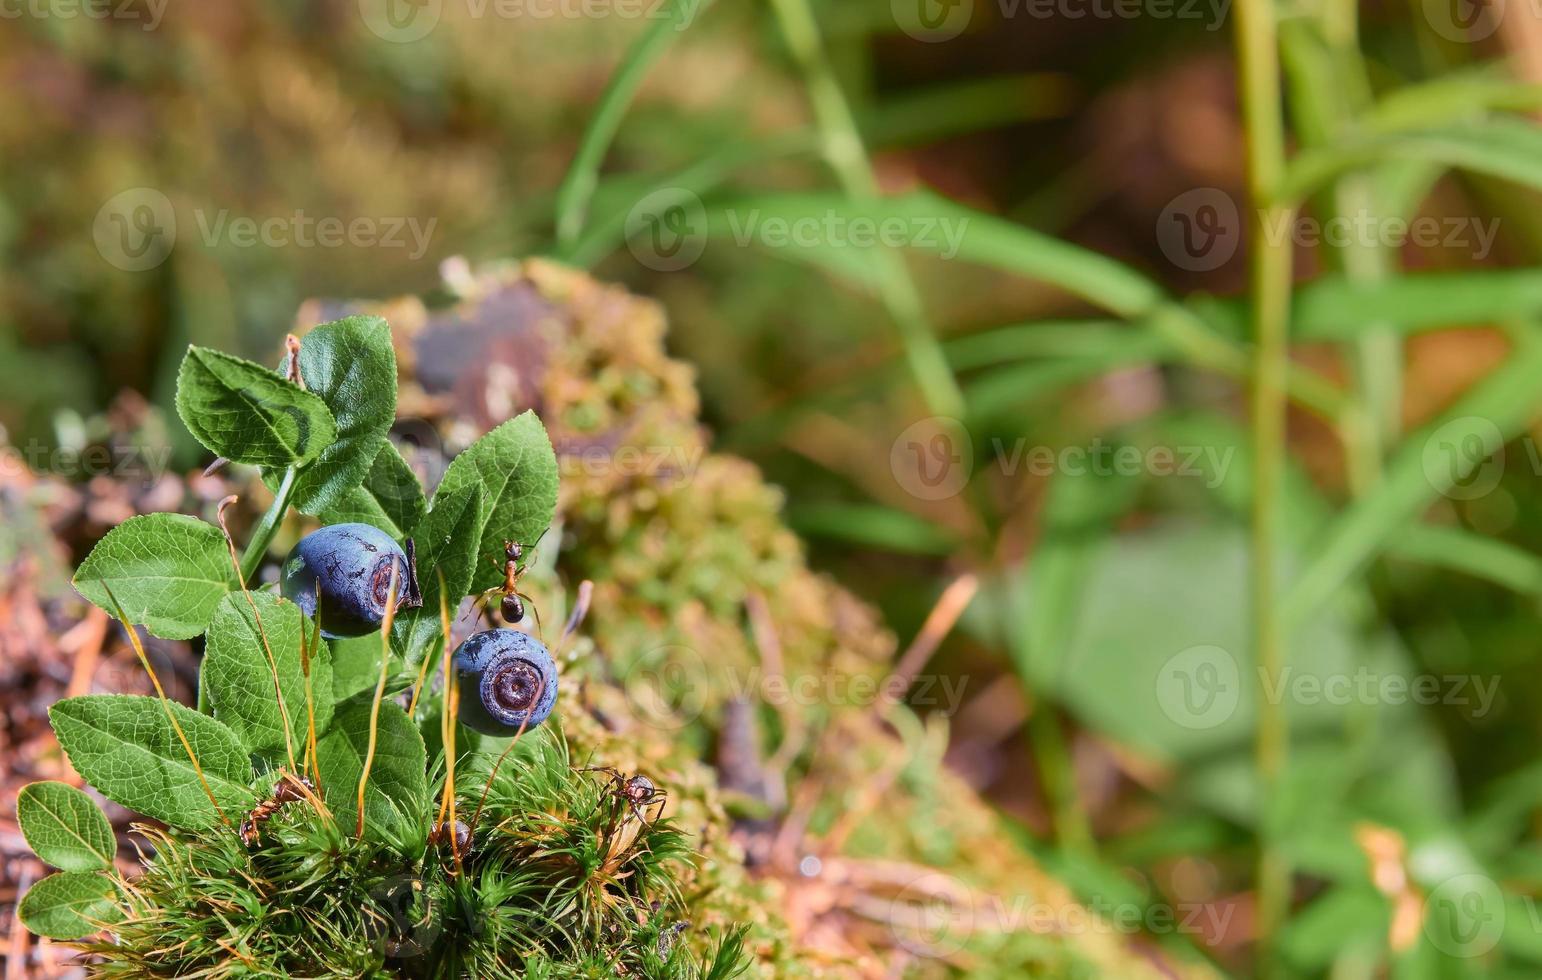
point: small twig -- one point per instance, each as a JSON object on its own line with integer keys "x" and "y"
{"x": 939, "y": 622}
{"x": 580, "y": 611}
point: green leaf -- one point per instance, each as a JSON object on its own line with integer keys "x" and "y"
{"x": 70, "y": 905}
{"x": 1510, "y": 149}
{"x": 356, "y": 669}
{"x": 169, "y": 571}
{"x": 65, "y": 828}
{"x": 126, "y": 747}
{"x": 447, "y": 543}
{"x": 248, "y": 414}
{"x": 1460, "y": 550}
{"x": 239, "y": 678}
{"x": 873, "y": 526}
{"x": 396, "y": 800}
{"x": 390, "y": 497}
{"x": 517, "y": 470}
{"x": 1496, "y": 410}
{"x": 351, "y": 366}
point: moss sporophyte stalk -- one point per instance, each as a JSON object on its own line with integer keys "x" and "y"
{"x": 339, "y": 807}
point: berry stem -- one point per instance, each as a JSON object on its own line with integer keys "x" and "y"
{"x": 262, "y": 535}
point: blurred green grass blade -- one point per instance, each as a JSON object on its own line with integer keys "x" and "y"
{"x": 1334, "y": 309}
{"x": 935, "y": 224}
{"x": 1041, "y": 338}
{"x": 1467, "y": 94}
{"x": 873, "y": 526}
{"x": 1005, "y": 388}
{"x": 1493, "y": 412}
{"x": 1460, "y": 550}
{"x": 1506, "y": 148}
{"x": 973, "y": 105}
{"x": 579, "y": 183}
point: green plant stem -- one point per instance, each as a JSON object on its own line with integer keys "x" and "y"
{"x": 847, "y": 156}
{"x": 1258, "y": 58}
{"x": 262, "y": 535}
{"x": 578, "y": 185}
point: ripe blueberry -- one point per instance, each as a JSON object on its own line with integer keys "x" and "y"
{"x": 507, "y": 679}
{"x": 352, "y": 564}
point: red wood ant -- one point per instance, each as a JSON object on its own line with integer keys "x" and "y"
{"x": 290, "y": 789}
{"x": 637, "y": 792}
{"x": 511, "y": 604}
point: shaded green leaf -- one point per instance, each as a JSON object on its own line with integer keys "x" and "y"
{"x": 1423, "y": 468}
{"x": 351, "y": 366}
{"x": 70, "y": 905}
{"x": 126, "y": 747}
{"x": 447, "y": 544}
{"x": 248, "y": 414}
{"x": 239, "y": 678}
{"x": 356, "y": 669}
{"x": 390, "y": 497}
{"x": 517, "y": 470}
{"x": 396, "y": 800}
{"x": 64, "y": 827}
{"x": 1501, "y": 147}
{"x": 168, "y": 571}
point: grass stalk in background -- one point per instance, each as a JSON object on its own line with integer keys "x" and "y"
{"x": 847, "y": 155}
{"x": 1258, "y": 58}
{"x": 572, "y": 203}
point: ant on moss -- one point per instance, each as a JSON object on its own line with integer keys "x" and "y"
{"x": 637, "y": 792}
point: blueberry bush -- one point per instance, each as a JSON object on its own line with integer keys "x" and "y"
{"x": 316, "y": 818}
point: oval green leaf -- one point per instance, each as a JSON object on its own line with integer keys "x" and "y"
{"x": 168, "y": 571}
{"x": 65, "y": 828}
{"x": 70, "y": 905}
{"x": 127, "y": 748}
{"x": 248, "y": 414}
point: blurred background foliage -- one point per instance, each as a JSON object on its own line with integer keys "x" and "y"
{"x": 1049, "y": 127}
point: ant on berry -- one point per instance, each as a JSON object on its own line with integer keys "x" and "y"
{"x": 637, "y": 792}
{"x": 511, "y": 604}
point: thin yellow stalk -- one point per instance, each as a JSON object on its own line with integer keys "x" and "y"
{"x": 278, "y": 688}
{"x": 374, "y": 711}
{"x": 165, "y": 702}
